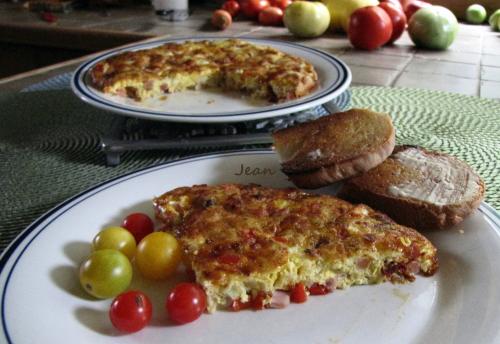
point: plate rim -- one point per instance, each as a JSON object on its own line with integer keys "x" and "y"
{"x": 83, "y": 92}
{"x": 490, "y": 212}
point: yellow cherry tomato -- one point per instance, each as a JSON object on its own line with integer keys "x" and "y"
{"x": 115, "y": 238}
{"x": 158, "y": 255}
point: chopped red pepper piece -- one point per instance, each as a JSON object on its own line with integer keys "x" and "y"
{"x": 281, "y": 239}
{"x": 238, "y": 305}
{"x": 319, "y": 289}
{"x": 258, "y": 301}
{"x": 299, "y": 293}
{"x": 228, "y": 258}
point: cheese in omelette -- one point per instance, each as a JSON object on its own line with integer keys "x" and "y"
{"x": 245, "y": 242}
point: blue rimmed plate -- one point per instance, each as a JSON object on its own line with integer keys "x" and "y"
{"x": 210, "y": 106}
{"x": 42, "y": 301}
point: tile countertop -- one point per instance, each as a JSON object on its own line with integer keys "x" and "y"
{"x": 470, "y": 66}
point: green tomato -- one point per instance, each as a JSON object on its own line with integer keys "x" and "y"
{"x": 306, "y": 19}
{"x": 106, "y": 273}
{"x": 115, "y": 238}
{"x": 475, "y": 14}
{"x": 433, "y": 27}
{"x": 494, "y": 20}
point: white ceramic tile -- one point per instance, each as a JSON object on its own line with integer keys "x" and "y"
{"x": 375, "y": 59}
{"x": 443, "y": 67}
{"x": 490, "y": 73}
{"x": 362, "y": 75}
{"x": 490, "y": 89}
{"x": 449, "y": 55}
{"x": 438, "y": 82}
{"x": 490, "y": 60}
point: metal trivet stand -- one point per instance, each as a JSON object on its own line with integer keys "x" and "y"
{"x": 132, "y": 134}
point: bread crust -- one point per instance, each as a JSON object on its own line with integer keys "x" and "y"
{"x": 372, "y": 188}
{"x": 340, "y": 154}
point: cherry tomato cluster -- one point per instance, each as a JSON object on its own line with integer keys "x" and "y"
{"x": 266, "y": 12}
{"x": 374, "y": 26}
{"x": 107, "y": 273}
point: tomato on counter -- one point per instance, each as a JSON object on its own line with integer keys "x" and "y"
{"x": 221, "y": 19}
{"x": 232, "y": 7}
{"x": 252, "y": 8}
{"x": 271, "y": 16}
{"x": 398, "y": 19}
{"x": 369, "y": 28}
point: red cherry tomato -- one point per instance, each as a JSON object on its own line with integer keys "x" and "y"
{"x": 186, "y": 302}
{"x": 130, "y": 311}
{"x": 271, "y": 16}
{"x": 299, "y": 293}
{"x": 283, "y": 4}
{"x": 139, "y": 225}
{"x": 221, "y": 19}
{"x": 413, "y": 6}
{"x": 369, "y": 28}
{"x": 398, "y": 19}
{"x": 232, "y": 6}
{"x": 252, "y": 8}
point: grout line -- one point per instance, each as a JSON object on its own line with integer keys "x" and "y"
{"x": 396, "y": 78}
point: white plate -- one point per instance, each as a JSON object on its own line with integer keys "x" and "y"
{"x": 42, "y": 301}
{"x": 209, "y": 106}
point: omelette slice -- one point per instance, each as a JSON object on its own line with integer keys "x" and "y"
{"x": 247, "y": 242}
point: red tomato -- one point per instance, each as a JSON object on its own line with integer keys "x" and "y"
{"x": 319, "y": 289}
{"x": 271, "y": 16}
{"x": 369, "y": 28}
{"x": 299, "y": 293}
{"x": 413, "y": 6}
{"x": 396, "y": 3}
{"x": 130, "y": 311}
{"x": 283, "y": 4}
{"x": 186, "y": 302}
{"x": 139, "y": 225}
{"x": 221, "y": 19}
{"x": 252, "y": 8}
{"x": 398, "y": 19}
{"x": 232, "y": 6}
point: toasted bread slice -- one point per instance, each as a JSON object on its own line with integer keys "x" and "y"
{"x": 250, "y": 245}
{"x": 334, "y": 147}
{"x": 418, "y": 188}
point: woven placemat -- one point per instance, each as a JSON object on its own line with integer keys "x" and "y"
{"x": 49, "y": 143}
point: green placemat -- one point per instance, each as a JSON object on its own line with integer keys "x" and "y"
{"x": 49, "y": 144}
